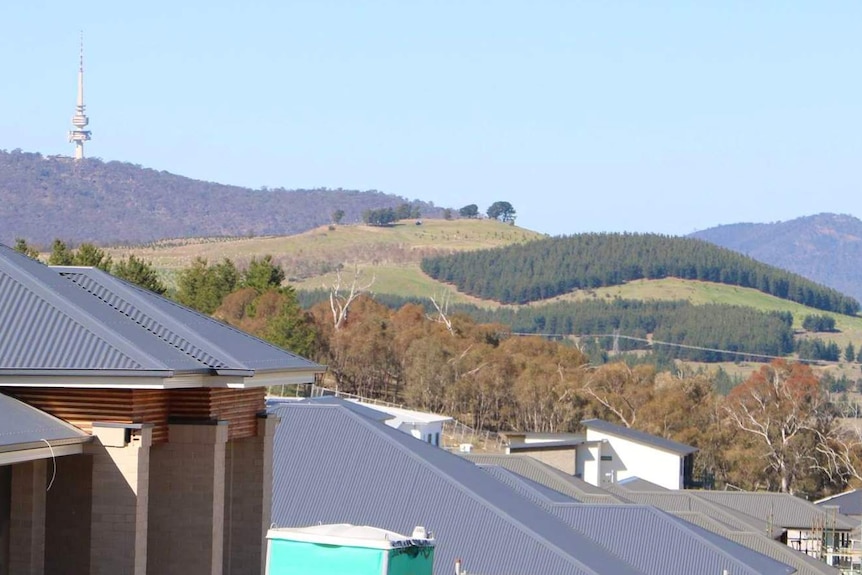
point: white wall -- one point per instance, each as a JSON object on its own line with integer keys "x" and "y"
{"x": 587, "y": 462}
{"x": 632, "y": 459}
{"x": 428, "y": 432}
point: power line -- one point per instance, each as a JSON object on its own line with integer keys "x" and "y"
{"x": 651, "y": 342}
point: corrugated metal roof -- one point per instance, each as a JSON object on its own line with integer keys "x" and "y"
{"x": 638, "y": 485}
{"x": 849, "y": 502}
{"x": 535, "y": 470}
{"x": 209, "y": 341}
{"x": 70, "y": 321}
{"x": 782, "y": 509}
{"x": 658, "y": 543}
{"x": 526, "y": 487}
{"x": 638, "y": 436}
{"x": 686, "y": 501}
{"x": 23, "y": 427}
{"x": 332, "y": 465}
{"x": 759, "y": 542}
{"x": 652, "y": 540}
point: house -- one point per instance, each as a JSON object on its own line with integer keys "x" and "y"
{"x": 806, "y": 527}
{"x": 427, "y": 427}
{"x": 333, "y": 465}
{"x": 749, "y": 531}
{"x": 168, "y": 466}
{"x": 610, "y": 453}
{"x": 615, "y": 452}
{"x": 848, "y": 503}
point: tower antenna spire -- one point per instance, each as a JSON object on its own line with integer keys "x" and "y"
{"x": 80, "y": 120}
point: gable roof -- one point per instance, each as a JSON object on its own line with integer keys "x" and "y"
{"x": 637, "y": 485}
{"x": 332, "y": 465}
{"x": 642, "y": 535}
{"x": 71, "y": 321}
{"x": 400, "y": 415}
{"x": 660, "y": 543}
{"x": 849, "y": 502}
{"x": 782, "y": 509}
{"x": 638, "y": 436}
{"x": 741, "y": 528}
{"x": 533, "y": 469}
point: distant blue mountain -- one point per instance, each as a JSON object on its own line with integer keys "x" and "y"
{"x": 826, "y": 248}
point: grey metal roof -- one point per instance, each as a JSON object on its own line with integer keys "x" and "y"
{"x": 544, "y": 445}
{"x": 638, "y": 436}
{"x": 756, "y": 541}
{"x": 72, "y": 321}
{"x": 636, "y": 484}
{"x": 527, "y": 487}
{"x": 209, "y": 341}
{"x": 686, "y": 501}
{"x": 333, "y": 465}
{"x": 782, "y": 509}
{"x": 659, "y": 543}
{"x": 24, "y": 427}
{"x": 725, "y": 522}
{"x": 849, "y": 502}
{"x": 535, "y": 470}
{"x": 651, "y": 540}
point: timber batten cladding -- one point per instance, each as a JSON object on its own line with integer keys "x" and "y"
{"x": 81, "y": 407}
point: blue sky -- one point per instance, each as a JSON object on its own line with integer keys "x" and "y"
{"x": 664, "y": 117}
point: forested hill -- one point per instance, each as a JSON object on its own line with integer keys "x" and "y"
{"x": 826, "y": 248}
{"x": 43, "y": 198}
{"x": 546, "y": 268}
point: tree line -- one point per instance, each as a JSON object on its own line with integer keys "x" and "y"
{"x": 546, "y": 268}
{"x": 776, "y": 430}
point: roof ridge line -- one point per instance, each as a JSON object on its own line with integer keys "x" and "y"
{"x": 541, "y": 539}
{"x": 81, "y": 316}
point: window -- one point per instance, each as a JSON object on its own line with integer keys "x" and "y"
{"x": 607, "y": 457}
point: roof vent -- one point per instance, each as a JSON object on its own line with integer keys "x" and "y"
{"x": 419, "y": 532}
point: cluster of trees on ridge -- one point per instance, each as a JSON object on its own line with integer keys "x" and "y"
{"x": 550, "y": 267}
{"x": 484, "y": 375}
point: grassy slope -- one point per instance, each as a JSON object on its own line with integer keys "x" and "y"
{"x": 391, "y": 257}
{"x": 391, "y": 254}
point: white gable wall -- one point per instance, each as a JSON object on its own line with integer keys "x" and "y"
{"x": 621, "y": 458}
{"x": 429, "y": 432}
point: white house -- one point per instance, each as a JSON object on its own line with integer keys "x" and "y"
{"x": 622, "y": 452}
{"x": 425, "y": 426}
{"x": 609, "y": 453}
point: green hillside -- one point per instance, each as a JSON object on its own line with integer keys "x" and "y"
{"x": 389, "y": 258}
{"x": 555, "y": 266}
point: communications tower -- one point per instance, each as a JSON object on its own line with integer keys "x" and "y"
{"x": 80, "y": 120}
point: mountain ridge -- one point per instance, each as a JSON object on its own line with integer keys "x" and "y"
{"x": 90, "y": 200}
{"x": 825, "y": 247}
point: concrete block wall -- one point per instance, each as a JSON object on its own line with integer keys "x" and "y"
{"x": 120, "y": 503}
{"x": 248, "y": 500}
{"x": 563, "y": 458}
{"x": 27, "y": 518}
{"x": 187, "y": 501}
{"x": 68, "y": 517}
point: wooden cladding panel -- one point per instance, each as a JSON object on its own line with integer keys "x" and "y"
{"x": 239, "y": 407}
{"x": 81, "y": 407}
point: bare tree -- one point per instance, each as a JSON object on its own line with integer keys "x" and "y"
{"x": 782, "y": 407}
{"x": 339, "y": 302}
{"x": 442, "y": 311}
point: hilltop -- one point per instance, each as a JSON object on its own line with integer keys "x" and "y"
{"x": 43, "y": 198}
{"x": 826, "y": 248}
